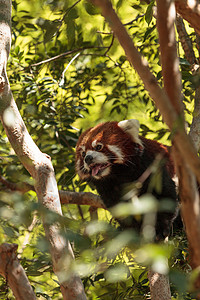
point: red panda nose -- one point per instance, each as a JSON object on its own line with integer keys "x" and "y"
{"x": 89, "y": 159}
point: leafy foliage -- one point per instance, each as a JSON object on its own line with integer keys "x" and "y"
{"x": 67, "y": 71}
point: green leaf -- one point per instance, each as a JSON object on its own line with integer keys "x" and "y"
{"x": 148, "y": 32}
{"x": 91, "y": 9}
{"x": 71, "y": 33}
{"x": 119, "y": 3}
{"x": 73, "y": 14}
{"x": 136, "y": 6}
{"x": 149, "y": 13}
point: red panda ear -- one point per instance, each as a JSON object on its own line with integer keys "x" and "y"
{"x": 132, "y": 127}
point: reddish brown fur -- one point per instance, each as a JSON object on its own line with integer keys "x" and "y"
{"x": 111, "y": 134}
{"x": 153, "y": 148}
{"x": 108, "y": 134}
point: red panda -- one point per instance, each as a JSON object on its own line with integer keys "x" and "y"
{"x": 113, "y": 154}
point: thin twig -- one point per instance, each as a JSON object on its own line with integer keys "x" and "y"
{"x": 111, "y": 44}
{"x": 134, "y": 20}
{"x": 65, "y": 54}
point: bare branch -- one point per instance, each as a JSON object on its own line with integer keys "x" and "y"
{"x": 39, "y": 166}
{"x": 22, "y": 187}
{"x": 187, "y": 182}
{"x": 189, "y": 195}
{"x": 82, "y": 198}
{"x": 198, "y": 45}
{"x": 159, "y": 283}
{"x": 166, "y": 15}
{"x": 134, "y": 20}
{"x": 195, "y": 126}
{"x": 14, "y": 274}
{"x": 111, "y": 44}
{"x": 66, "y": 197}
{"x": 190, "y": 56}
{"x": 185, "y": 41}
{"x": 190, "y": 11}
{"x": 64, "y": 55}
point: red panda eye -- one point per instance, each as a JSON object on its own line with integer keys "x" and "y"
{"x": 98, "y": 147}
{"x": 83, "y": 154}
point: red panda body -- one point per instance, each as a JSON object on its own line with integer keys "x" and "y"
{"x": 112, "y": 155}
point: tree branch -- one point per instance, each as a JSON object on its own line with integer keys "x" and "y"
{"x": 187, "y": 181}
{"x": 81, "y": 198}
{"x": 190, "y": 56}
{"x": 66, "y": 197}
{"x": 185, "y": 41}
{"x": 195, "y": 126}
{"x": 21, "y": 187}
{"x": 166, "y": 16}
{"x": 14, "y": 274}
{"x": 51, "y": 59}
{"x": 190, "y": 11}
{"x": 39, "y": 166}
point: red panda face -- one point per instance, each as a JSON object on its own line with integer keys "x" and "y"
{"x": 105, "y": 145}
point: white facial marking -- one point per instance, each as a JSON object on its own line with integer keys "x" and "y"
{"x": 82, "y": 147}
{"x": 132, "y": 127}
{"x": 94, "y": 143}
{"x": 118, "y": 152}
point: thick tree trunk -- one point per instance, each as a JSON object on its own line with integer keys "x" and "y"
{"x": 38, "y": 165}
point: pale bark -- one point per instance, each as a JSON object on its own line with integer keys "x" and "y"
{"x": 38, "y": 165}
{"x": 14, "y": 273}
